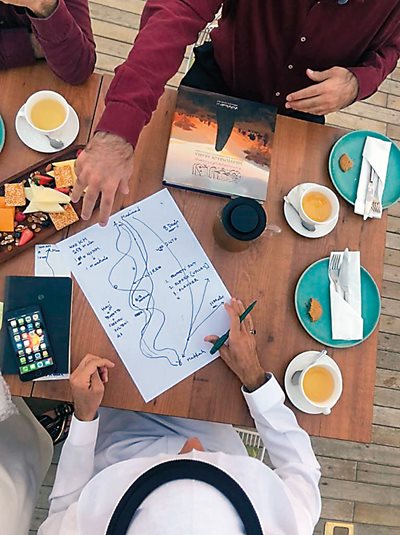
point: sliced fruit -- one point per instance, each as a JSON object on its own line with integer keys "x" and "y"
{"x": 26, "y": 236}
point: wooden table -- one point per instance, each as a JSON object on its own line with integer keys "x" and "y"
{"x": 268, "y": 271}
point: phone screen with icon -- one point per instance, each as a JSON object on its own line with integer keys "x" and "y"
{"x": 30, "y": 342}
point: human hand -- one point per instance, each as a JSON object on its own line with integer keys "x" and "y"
{"x": 37, "y": 47}
{"x": 41, "y": 8}
{"x": 336, "y": 88}
{"x": 87, "y": 386}
{"x": 104, "y": 167}
{"x": 240, "y": 354}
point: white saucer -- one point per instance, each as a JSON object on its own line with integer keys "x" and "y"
{"x": 293, "y": 391}
{"x": 293, "y": 219}
{"x": 40, "y": 143}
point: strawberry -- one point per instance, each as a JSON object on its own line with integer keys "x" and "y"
{"x": 26, "y": 236}
{"x": 19, "y": 217}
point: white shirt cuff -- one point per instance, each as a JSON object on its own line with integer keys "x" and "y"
{"x": 265, "y": 397}
{"x": 83, "y": 433}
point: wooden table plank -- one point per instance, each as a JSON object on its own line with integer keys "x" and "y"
{"x": 16, "y": 86}
{"x": 268, "y": 271}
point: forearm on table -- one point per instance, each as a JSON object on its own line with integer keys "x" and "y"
{"x": 67, "y": 40}
{"x": 289, "y": 446}
{"x": 16, "y": 48}
{"x": 75, "y": 467}
{"x": 167, "y": 28}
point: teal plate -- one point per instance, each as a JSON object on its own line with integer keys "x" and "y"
{"x": 314, "y": 282}
{"x": 2, "y": 134}
{"x": 346, "y": 184}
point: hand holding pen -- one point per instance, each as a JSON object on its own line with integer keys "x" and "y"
{"x": 240, "y": 355}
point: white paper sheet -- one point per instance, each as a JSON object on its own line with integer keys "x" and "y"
{"x": 49, "y": 262}
{"x": 153, "y": 289}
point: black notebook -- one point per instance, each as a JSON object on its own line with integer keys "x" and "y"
{"x": 54, "y": 297}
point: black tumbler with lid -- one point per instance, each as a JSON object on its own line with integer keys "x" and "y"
{"x": 240, "y": 222}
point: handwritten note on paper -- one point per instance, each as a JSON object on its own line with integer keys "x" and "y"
{"x": 153, "y": 289}
{"x": 49, "y": 262}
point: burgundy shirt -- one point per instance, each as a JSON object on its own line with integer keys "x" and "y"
{"x": 263, "y": 51}
{"x": 65, "y": 37}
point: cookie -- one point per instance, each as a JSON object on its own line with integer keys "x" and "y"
{"x": 65, "y": 218}
{"x": 345, "y": 163}
{"x": 64, "y": 176}
{"x": 314, "y": 309}
{"x": 15, "y": 194}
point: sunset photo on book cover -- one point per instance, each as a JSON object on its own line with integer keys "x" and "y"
{"x": 220, "y": 144}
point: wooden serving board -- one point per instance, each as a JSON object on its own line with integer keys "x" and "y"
{"x": 46, "y": 231}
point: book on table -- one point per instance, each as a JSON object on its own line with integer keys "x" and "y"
{"x": 220, "y": 144}
{"x": 53, "y": 295}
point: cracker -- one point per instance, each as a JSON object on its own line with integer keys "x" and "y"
{"x": 64, "y": 176}
{"x": 15, "y": 194}
{"x": 345, "y": 163}
{"x": 65, "y": 218}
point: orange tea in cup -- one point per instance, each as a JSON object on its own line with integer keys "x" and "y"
{"x": 317, "y": 206}
{"x": 318, "y": 384}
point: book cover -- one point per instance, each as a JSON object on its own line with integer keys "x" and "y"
{"x": 54, "y": 297}
{"x": 220, "y": 144}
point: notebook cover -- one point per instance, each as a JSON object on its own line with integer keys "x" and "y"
{"x": 220, "y": 144}
{"x": 54, "y": 297}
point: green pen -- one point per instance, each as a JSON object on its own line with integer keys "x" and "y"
{"x": 221, "y": 341}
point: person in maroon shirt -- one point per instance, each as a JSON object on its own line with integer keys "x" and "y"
{"x": 57, "y": 30}
{"x": 305, "y": 56}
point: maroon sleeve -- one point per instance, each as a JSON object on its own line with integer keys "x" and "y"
{"x": 15, "y": 48}
{"x": 67, "y": 40}
{"x": 380, "y": 60}
{"x": 167, "y": 27}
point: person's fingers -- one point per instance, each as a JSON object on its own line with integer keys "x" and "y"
{"x": 103, "y": 371}
{"x": 91, "y": 363}
{"x": 307, "y": 92}
{"x": 234, "y": 317}
{"x": 224, "y": 352}
{"x": 212, "y": 338}
{"x": 89, "y": 202}
{"x": 124, "y": 186}
{"x": 309, "y": 105}
{"x": 319, "y": 76}
{"x": 78, "y": 189}
{"x": 106, "y": 204}
{"x": 96, "y": 383}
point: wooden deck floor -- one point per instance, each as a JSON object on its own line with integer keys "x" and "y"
{"x": 361, "y": 482}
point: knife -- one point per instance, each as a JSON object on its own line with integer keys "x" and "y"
{"x": 370, "y": 193}
{"x": 344, "y": 275}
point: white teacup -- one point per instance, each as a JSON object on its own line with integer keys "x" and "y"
{"x": 332, "y": 198}
{"x": 327, "y": 404}
{"x": 26, "y": 110}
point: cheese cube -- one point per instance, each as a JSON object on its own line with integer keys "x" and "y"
{"x": 7, "y": 214}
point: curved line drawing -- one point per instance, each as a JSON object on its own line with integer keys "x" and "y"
{"x": 48, "y": 263}
{"x": 131, "y": 246}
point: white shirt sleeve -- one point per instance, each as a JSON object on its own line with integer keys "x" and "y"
{"x": 75, "y": 469}
{"x": 290, "y": 451}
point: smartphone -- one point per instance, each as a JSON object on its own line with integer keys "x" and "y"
{"x": 30, "y": 341}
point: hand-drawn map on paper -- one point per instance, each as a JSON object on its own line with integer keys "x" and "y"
{"x": 153, "y": 289}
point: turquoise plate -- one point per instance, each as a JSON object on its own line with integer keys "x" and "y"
{"x": 346, "y": 183}
{"x": 314, "y": 282}
{"x": 2, "y": 134}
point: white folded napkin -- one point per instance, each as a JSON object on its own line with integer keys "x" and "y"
{"x": 376, "y": 155}
{"x": 346, "y": 318}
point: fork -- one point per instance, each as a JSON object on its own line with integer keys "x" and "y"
{"x": 376, "y": 207}
{"x": 333, "y": 268}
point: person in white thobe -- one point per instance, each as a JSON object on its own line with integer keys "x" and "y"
{"x": 108, "y": 449}
{"x": 26, "y": 450}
